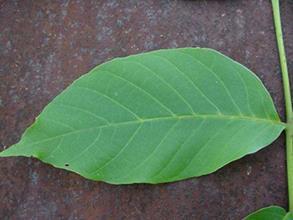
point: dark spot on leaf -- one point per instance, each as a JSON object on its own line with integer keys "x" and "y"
{"x": 66, "y": 164}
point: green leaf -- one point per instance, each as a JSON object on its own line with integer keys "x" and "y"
{"x": 268, "y": 213}
{"x": 155, "y": 117}
{"x": 289, "y": 216}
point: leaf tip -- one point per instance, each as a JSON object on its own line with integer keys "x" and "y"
{"x": 3, "y": 153}
{"x": 11, "y": 151}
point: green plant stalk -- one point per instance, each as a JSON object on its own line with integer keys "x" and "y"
{"x": 288, "y": 102}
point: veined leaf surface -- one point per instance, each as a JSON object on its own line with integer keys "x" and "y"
{"x": 270, "y": 213}
{"x": 154, "y": 117}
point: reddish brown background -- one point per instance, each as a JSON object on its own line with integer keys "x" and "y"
{"x": 45, "y": 45}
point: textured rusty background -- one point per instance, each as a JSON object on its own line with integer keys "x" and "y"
{"x": 45, "y": 45}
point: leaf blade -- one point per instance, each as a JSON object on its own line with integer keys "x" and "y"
{"x": 161, "y": 111}
{"x": 271, "y": 212}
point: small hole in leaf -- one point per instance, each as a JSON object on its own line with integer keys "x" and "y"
{"x": 66, "y": 164}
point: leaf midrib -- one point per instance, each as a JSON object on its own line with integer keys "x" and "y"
{"x": 178, "y": 117}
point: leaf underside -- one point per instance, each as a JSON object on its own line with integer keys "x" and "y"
{"x": 270, "y": 213}
{"x": 154, "y": 117}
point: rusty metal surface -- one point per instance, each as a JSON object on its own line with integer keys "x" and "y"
{"x": 45, "y": 45}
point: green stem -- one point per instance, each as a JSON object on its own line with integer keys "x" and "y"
{"x": 288, "y": 102}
